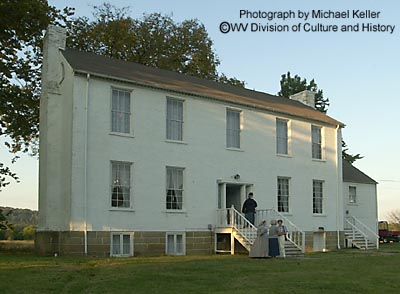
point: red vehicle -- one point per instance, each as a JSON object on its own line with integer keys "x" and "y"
{"x": 385, "y": 235}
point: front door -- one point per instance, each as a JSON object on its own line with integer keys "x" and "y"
{"x": 234, "y": 196}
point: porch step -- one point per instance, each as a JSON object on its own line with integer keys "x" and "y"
{"x": 245, "y": 243}
{"x": 358, "y": 240}
{"x": 291, "y": 250}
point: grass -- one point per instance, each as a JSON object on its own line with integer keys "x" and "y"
{"x": 346, "y": 271}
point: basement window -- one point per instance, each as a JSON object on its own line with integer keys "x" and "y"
{"x": 121, "y": 244}
{"x": 175, "y": 244}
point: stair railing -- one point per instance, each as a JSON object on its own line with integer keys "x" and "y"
{"x": 231, "y": 218}
{"x": 295, "y": 235}
{"x": 364, "y": 230}
{"x": 354, "y": 230}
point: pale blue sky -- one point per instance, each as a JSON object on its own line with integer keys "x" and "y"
{"x": 359, "y": 73}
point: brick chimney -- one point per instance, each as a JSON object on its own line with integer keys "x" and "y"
{"x": 306, "y": 97}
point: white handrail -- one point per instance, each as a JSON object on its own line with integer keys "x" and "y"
{"x": 296, "y": 236}
{"x": 356, "y": 224}
{"x": 231, "y": 218}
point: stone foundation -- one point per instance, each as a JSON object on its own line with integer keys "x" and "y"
{"x": 144, "y": 243}
{"x": 148, "y": 243}
{"x": 330, "y": 240}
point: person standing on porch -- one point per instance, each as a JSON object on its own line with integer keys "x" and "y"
{"x": 249, "y": 208}
{"x": 281, "y": 238}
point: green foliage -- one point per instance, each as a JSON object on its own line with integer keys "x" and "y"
{"x": 17, "y": 224}
{"x": 349, "y": 157}
{"x": 292, "y": 85}
{"x": 22, "y": 26}
{"x": 4, "y": 224}
{"x": 154, "y": 40}
{"x": 28, "y": 232}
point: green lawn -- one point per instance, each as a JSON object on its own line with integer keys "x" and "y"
{"x": 347, "y": 271}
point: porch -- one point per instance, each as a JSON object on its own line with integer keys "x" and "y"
{"x": 233, "y": 224}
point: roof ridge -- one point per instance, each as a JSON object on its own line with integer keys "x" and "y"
{"x": 108, "y": 67}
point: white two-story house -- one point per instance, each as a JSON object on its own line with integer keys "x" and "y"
{"x": 136, "y": 161}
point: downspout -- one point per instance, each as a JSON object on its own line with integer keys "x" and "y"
{"x": 338, "y": 188}
{"x": 85, "y": 165}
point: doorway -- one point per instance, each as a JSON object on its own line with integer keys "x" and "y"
{"x": 232, "y": 194}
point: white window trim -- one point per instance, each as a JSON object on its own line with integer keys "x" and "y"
{"x": 131, "y": 132}
{"x": 131, "y": 249}
{"x": 322, "y": 159}
{"x": 116, "y": 208}
{"x": 183, "y": 208}
{"x": 240, "y": 111}
{"x": 183, "y": 243}
{"x": 183, "y": 120}
{"x": 289, "y": 196}
{"x": 289, "y": 137}
{"x": 323, "y": 198}
{"x": 348, "y": 198}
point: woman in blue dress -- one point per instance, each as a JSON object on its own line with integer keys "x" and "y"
{"x": 273, "y": 243}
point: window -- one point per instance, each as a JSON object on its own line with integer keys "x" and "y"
{"x": 121, "y": 244}
{"x": 283, "y": 195}
{"x": 120, "y": 111}
{"x": 174, "y": 119}
{"x": 282, "y": 136}
{"x": 316, "y": 135}
{"x": 317, "y": 196}
{"x": 174, "y": 200}
{"x": 232, "y": 128}
{"x": 121, "y": 184}
{"x": 175, "y": 244}
{"x": 352, "y": 194}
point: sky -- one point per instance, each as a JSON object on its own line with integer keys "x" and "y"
{"x": 358, "y": 71}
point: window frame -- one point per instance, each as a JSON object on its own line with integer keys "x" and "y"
{"x": 121, "y": 235}
{"x": 125, "y": 112}
{"x": 175, "y": 244}
{"x": 318, "y": 206}
{"x": 169, "y": 120}
{"x": 317, "y": 148}
{"x": 230, "y": 140}
{"x": 280, "y": 139}
{"x": 281, "y": 198}
{"x": 180, "y": 190}
{"x": 113, "y": 187}
{"x": 352, "y": 196}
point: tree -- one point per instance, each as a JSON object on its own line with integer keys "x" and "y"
{"x": 28, "y": 232}
{"x": 349, "y": 157}
{"x": 22, "y": 27}
{"x": 292, "y": 85}
{"x": 154, "y": 40}
{"x": 394, "y": 216}
{"x": 4, "y": 224}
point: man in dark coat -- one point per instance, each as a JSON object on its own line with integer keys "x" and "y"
{"x": 249, "y": 208}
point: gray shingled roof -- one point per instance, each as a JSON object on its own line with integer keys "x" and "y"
{"x": 102, "y": 66}
{"x": 352, "y": 174}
